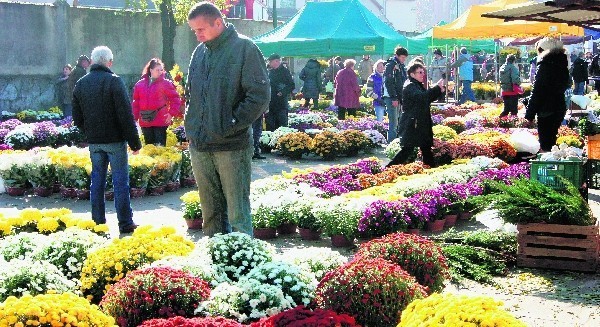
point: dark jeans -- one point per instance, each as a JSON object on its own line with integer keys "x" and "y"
{"x": 155, "y": 135}
{"x": 115, "y": 154}
{"x": 223, "y": 179}
{"x": 511, "y": 105}
{"x": 67, "y": 109}
{"x": 315, "y": 102}
{"x": 276, "y": 118}
{"x": 406, "y": 152}
{"x": 257, "y": 127}
{"x": 548, "y": 130}
{"x": 342, "y": 112}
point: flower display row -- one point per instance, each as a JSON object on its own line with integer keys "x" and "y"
{"x": 15, "y": 134}
{"x": 155, "y": 168}
{"x": 46, "y": 221}
{"x": 29, "y": 115}
{"x": 328, "y": 143}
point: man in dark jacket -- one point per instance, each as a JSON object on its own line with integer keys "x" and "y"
{"x": 547, "y": 99}
{"x": 395, "y": 75}
{"x": 102, "y": 110}
{"x": 282, "y": 85}
{"x": 228, "y": 89}
{"x": 311, "y": 75}
{"x": 83, "y": 62}
{"x": 580, "y": 74}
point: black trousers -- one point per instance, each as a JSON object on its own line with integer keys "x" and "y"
{"x": 511, "y": 105}
{"x": 342, "y": 112}
{"x": 155, "y": 135}
{"x": 257, "y": 127}
{"x": 406, "y": 152}
{"x": 315, "y": 102}
{"x": 276, "y": 117}
{"x": 548, "y": 130}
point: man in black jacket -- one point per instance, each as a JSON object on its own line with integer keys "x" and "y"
{"x": 395, "y": 76}
{"x": 580, "y": 74}
{"x": 282, "y": 85}
{"x": 102, "y": 110}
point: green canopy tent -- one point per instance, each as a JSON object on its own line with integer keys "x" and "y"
{"x": 426, "y": 38}
{"x": 323, "y": 29}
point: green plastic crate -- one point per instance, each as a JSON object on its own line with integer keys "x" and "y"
{"x": 547, "y": 172}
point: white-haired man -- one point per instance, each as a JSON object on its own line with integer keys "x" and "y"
{"x": 102, "y": 110}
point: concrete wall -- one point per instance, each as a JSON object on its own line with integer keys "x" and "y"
{"x": 38, "y": 40}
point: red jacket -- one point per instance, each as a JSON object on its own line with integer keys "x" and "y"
{"x": 347, "y": 90}
{"x": 160, "y": 94}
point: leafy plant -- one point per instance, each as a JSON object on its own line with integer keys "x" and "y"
{"x": 474, "y": 263}
{"x": 529, "y": 201}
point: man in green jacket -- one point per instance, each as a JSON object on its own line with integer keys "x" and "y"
{"x": 227, "y": 90}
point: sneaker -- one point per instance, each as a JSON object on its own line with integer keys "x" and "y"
{"x": 258, "y": 156}
{"x": 128, "y": 229}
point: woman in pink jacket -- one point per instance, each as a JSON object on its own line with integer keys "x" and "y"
{"x": 347, "y": 90}
{"x": 155, "y": 102}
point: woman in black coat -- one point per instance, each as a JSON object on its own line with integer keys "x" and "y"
{"x": 547, "y": 99}
{"x": 415, "y": 126}
{"x": 311, "y": 75}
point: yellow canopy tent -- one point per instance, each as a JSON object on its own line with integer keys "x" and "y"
{"x": 471, "y": 25}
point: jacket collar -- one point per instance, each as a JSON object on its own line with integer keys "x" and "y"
{"x": 227, "y": 33}
{"x": 100, "y": 68}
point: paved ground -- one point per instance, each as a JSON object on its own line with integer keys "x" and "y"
{"x": 538, "y": 297}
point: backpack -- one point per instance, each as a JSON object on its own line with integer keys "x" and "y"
{"x": 595, "y": 66}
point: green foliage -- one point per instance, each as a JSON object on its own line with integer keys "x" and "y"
{"x": 586, "y": 127}
{"x": 470, "y": 262}
{"x": 478, "y": 255}
{"x": 528, "y": 201}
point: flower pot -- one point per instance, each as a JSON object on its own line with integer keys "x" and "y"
{"x": 265, "y": 233}
{"x": 450, "y": 220}
{"x": 436, "y": 225}
{"x": 466, "y": 215}
{"x": 56, "y": 187}
{"x": 43, "y": 191}
{"x": 194, "y": 223}
{"x": 15, "y": 191}
{"x": 414, "y": 231}
{"x": 266, "y": 149}
{"x": 82, "y": 194}
{"x": 286, "y": 228}
{"x": 172, "y": 186}
{"x": 136, "y": 192}
{"x": 309, "y": 234}
{"x": 294, "y": 155}
{"x": 188, "y": 182}
{"x": 109, "y": 195}
{"x": 156, "y": 190}
{"x": 68, "y": 192}
{"x": 341, "y": 241}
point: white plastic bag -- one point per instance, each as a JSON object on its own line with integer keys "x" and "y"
{"x": 525, "y": 141}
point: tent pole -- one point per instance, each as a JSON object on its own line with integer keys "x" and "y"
{"x": 496, "y": 66}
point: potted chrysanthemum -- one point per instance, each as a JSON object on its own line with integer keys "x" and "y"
{"x": 192, "y": 209}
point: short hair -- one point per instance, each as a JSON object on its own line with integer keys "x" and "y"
{"x": 400, "y": 51}
{"x": 68, "y": 66}
{"x": 413, "y": 67}
{"x": 463, "y": 50}
{"x": 102, "y": 55}
{"x": 548, "y": 43}
{"x": 380, "y": 61}
{"x": 150, "y": 65}
{"x": 338, "y": 58}
{"x": 205, "y": 9}
{"x": 349, "y": 63}
{"x": 511, "y": 58}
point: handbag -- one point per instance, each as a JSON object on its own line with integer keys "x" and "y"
{"x": 149, "y": 115}
{"x": 518, "y": 89}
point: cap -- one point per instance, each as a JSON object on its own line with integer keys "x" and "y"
{"x": 438, "y": 52}
{"x": 273, "y": 57}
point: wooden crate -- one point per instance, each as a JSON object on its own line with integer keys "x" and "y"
{"x": 564, "y": 247}
{"x": 593, "y": 146}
